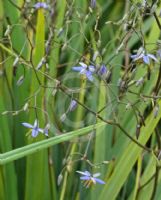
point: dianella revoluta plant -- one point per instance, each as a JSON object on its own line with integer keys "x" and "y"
{"x": 80, "y": 100}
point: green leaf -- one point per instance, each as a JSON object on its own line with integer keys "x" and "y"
{"x": 38, "y": 146}
{"x": 127, "y": 160}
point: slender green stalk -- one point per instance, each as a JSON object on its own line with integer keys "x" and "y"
{"x": 128, "y": 159}
{"x": 37, "y": 170}
{"x": 40, "y": 145}
{"x": 138, "y": 174}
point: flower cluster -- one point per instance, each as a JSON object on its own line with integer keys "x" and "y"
{"x": 86, "y": 70}
{"x": 90, "y": 70}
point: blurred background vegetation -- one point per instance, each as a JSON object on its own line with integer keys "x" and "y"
{"x": 115, "y": 128}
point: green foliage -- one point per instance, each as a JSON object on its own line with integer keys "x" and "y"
{"x": 115, "y": 127}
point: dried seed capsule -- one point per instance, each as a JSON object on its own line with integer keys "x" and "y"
{"x": 128, "y": 106}
{"x": 15, "y": 61}
{"x": 63, "y": 117}
{"x": 25, "y": 106}
{"x": 20, "y": 80}
{"x": 139, "y": 82}
{"x": 95, "y": 55}
{"x": 41, "y": 63}
{"x": 60, "y": 178}
{"x": 138, "y": 130}
{"x": 8, "y": 31}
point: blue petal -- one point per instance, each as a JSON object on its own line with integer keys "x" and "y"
{"x": 41, "y": 5}
{"x": 99, "y": 181}
{"x": 152, "y": 57}
{"x": 83, "y": 71}
{"x": 159, "y": 53}
{"x": 34, "y": 132}
{"x": 93, "y": 3}
{"x": 146, "y": 59}
{"x": 37, "y": 5}
{"x": 44, "y": 5}
{"x": 89, "y": 75}
{"x": 102, "y": 70}
{"x": 137, "y": 56}
{"x": 73, "y": 105}
{"x": 27, "y": 125}
{"x": 91, "y": 68}
{"x": 134, "y": 56}
{"x": 85, "y": 173}
{"x": 78, "y": 69}
{"x": 36, "y": 123}
{"x": 83, "y": 65}
{"x": 40, "y": 130}
{"x": 85, "y": 178}
{"x": 46, "y": 132}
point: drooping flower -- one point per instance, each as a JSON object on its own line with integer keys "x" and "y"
{"x": 41, "y": 5}
{"x": 87, "y": 70}
{"x": 145, "y": 57}
{"x": 93, "y": 3}
{"x": 90, "y": 179}
{"x": 63, "y": 117}
{"x": 35, "y": 128}
{"x": 139, "y": 82}
{"x": 102, "y": 70}
{"x": 73, "y": 105}
{"x": 159, "y": 53}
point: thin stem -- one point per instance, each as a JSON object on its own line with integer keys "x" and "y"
{"x": 111, "y": 122}
{"x": 157, "y": 20}
{"x": 131, "y": 138}
{"x": 156, "y": 88}
{"x": 155, "y": 183}
{"x": 147, "y": 182}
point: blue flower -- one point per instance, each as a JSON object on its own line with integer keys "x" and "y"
{"x": 144, "y": 56}
{"x": 102, "y": 70}
{"x": 35, "y": 128}
{"x": 73, "y": 105}
{"x": 86, "y": 70}
{"x": 89, "y": 178}
{"x": 93, "y": 3}
{"x": 159, "y": 53}
{"x": 41, "y": 5}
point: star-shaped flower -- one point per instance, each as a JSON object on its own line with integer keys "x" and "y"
{"x": 35, "y": 128}
{"x": 89, "y": 178}
{"x": 87, "y": 70}
{"x": 144, "y": 56}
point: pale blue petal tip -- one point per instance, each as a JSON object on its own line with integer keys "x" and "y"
{"x": 146, "y": 59}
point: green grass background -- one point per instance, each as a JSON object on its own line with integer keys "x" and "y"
{"x": 29, "y": 168}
